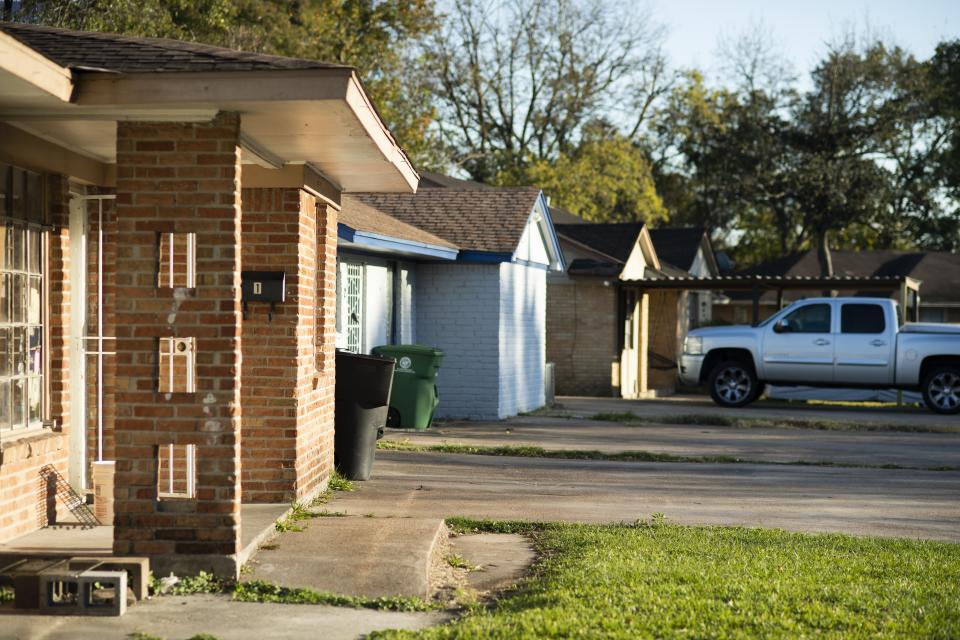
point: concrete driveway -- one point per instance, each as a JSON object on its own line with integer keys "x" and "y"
{"x": 898, "y": 503}
{"x": 875, "y": 448}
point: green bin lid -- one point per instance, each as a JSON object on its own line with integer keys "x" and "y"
{"x": 409, "y": 349}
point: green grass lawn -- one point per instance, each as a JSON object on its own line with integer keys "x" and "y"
{"x": 661, "y": 580}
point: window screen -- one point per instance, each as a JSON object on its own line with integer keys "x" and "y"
{"x": 862, "y": 318}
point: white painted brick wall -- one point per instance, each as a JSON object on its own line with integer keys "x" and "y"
{"x": 457, "y": 309}
{"x": 523, "y": 303}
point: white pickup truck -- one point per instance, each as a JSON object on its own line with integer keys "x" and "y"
{"x": 827, "y": 342}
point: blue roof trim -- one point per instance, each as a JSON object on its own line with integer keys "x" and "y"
{"x": 484, "y": 257}
{"x": 561, "y": 259}
{"x": 379, "y": 242}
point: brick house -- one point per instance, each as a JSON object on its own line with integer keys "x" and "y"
{"x": 609, "y": 338}
{"x": 139, "y": 179}
{"x": 462, "y": 267}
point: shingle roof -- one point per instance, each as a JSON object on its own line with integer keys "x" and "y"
{"x": 938, "y": 271}
{"x": 677, "y": 246}
{"x": 432, "y": 180}
{"x": 489, "y": 220}
{"x": 612, "y": 239}
{"x": 562, "y": 216}
{"x": 361, "y": 217}
{"x": 124, "y": 54}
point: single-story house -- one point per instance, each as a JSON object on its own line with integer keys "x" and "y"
{"x": 597, "y": 330}
{"x": 462, "y": 268}
{"x": 937, "y": 271}
{"x": 168, "y": 246}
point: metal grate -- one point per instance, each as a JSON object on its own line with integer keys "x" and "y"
{"x": 354, "y": 307}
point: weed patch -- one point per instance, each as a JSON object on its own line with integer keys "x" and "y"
{"x": 6, "y": 595}
{"x": 260, "y": 591}
{"x": 703, "y": 420}
{"x": 526, "y": 451}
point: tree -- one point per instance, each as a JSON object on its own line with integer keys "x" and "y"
{"x": 606, "y": 178}
{"x": 516, "y": 81}
{"x": 380, "y": 37}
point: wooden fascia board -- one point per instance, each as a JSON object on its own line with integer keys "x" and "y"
{"x": 31, "y": 152}
{"x": 649, "y": 252}
{"x": 183, "y": 88}
{"x": 30, "y": 66}
{"x": 359, "y": 102}
{"x": 291, "y": 176}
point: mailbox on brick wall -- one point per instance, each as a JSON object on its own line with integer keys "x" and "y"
{"x": 263, "y": 286}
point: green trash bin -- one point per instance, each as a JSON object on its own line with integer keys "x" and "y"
{"x": 414, "y": 398}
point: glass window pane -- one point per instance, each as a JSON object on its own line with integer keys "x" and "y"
{"x": 4, "y": 405}
{"x": 18, "y": 348}
{"x": 18, "y": 398}
{"x": 5, "y": 170}
{"x": 34, "y": 400}
{"x": 6, "y": 339}
{"x": 16, "y": 237}
{"x": 5, "y": 295}
{"x": 33, "y": 300}
{"x": 18, "y": 307}
{"x": 862, "y": 318}
{"x": 17, "y": 195}
{"x": 34, "y": 253}
{"x": 813, "y": 318}
{"x": 34, "y": 197}
{"x": 35, "y": 365}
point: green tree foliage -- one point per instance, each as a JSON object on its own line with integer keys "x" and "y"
{"x": 379, "y": 37}
{"x": 851, "y": 162}
{"x": 606, "y": 178}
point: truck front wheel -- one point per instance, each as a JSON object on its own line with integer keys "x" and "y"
{"x": 733, "y": 384}
{"x": 941, "y": 390}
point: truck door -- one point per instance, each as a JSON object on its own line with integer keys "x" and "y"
{"x": 799, "y": 346}
{"x": 865, "y": 345}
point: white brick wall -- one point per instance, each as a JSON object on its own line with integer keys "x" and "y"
{"x": 457, "y": 309}
{"x": 490, "y": 322}
{"x": 523, "y": 302}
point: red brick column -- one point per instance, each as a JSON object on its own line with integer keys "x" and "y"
{"x": 287, "y": 400}
{"x": 181, "y": 178}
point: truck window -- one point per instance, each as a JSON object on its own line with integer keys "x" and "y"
{"x": 862, "y": 318}
{"x": 812, "y": 318}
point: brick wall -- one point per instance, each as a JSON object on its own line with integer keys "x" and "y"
{"x": 582, "y": 336}
{"x": 182, "y": 178}
{"x": 287, "y": 386}
{"x": 27, "y": 501}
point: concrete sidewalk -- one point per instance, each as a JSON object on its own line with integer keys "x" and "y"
{"x": 174, "y": 618}
{"x": 921, "y": 450}
{"x": 688, "y": 404}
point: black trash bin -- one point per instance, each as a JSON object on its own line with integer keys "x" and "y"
{"x": 362, "y": 401}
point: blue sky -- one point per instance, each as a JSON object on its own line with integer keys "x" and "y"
{"x": 801, "y": 27}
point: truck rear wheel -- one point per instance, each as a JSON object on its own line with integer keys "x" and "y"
{"x": 733, "y": 384}
{"x": 941, "y": 390}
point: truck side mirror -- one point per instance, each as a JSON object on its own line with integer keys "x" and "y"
{"x": 781, "y": 326}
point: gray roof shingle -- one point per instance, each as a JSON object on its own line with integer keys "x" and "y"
{"x": 362, "y": 217}
{"x": 88, "y": 51}
{"x": 491, "y": 219}
{"x": 615, "y": 239}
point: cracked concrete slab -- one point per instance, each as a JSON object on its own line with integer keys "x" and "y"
{"x": 359, "y": 556}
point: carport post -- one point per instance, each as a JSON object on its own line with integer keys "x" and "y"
{"x": 756, "y": 304}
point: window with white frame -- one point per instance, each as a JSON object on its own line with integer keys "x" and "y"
{"x": 22, "y": 218}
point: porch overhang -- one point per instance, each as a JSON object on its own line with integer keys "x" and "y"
{"x": 318, "y": 117}
{"x": 350, "y": 239}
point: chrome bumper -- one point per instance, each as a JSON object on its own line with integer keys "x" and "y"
{"x": 690, "y": 369}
